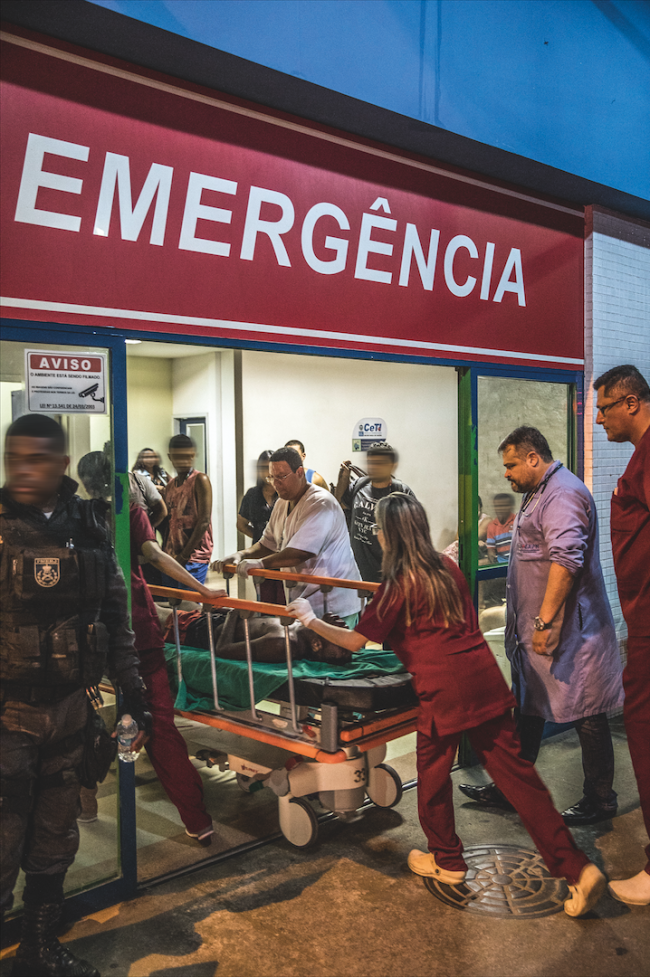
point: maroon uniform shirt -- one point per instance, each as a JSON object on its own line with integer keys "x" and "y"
{"x": 455, "y": 675}
{"x": 144, "y": 619}
{"x": 630, "y": 527}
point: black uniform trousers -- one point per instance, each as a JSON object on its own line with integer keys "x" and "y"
{"x": 40, "y": 787}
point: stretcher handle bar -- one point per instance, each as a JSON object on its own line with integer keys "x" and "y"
{"x": 249, "y": 665}
{"x": 292, "y": 688}
{"x": 274, "y": 610}
{"x": 213, "y": 664}
{"x": 368, "y": 585}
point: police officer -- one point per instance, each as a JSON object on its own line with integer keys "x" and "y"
{"x": 63, "y": 625}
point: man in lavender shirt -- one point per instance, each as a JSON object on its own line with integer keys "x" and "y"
{"x": 560, "y": 635}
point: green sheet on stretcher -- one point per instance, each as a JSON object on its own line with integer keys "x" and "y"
{"x": 232, "y": 676}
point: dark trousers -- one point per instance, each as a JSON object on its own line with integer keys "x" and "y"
{"x": 497, "y": 746}
{"x": 597, "y": 753}
{"x": 167, "y": 750}
{"x": 40, "y": 803}
{"x": 636, "y": 713}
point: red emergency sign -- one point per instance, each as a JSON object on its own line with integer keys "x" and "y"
{"x": 130, "y": 200}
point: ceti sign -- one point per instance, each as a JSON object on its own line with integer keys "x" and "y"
{"x": 130, "y": 201}
{"x": 65, "y": 383}
{"x": 369, "y": 431}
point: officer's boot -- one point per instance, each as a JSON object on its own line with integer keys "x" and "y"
{"x": 40, "y": 954}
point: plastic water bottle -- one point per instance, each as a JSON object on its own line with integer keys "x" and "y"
{"x": 127, "y": 730}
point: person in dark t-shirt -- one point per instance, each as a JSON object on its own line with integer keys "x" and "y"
{"x": 361, "y": 497}
{"x": 623, "y": 401}
{"x": 257, "y": 504}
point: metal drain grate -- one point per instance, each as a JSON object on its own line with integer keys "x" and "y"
{"x": 503, "y": 881}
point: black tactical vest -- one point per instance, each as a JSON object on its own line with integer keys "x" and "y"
{"x": 52, "y": 583}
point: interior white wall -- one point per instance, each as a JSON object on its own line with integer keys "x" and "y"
{"x": 319, "y": 400}
{"x": 149, "y": 401}
{"x": 196, "y": 392}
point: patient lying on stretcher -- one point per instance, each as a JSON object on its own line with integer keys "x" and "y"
{"x": 266, "y": 637}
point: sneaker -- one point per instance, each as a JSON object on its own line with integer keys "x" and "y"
{"x": 634, "y": 891}
{"x": 87, "y": 817}
{"x": 587, "y": 892}
{"x": 204, "y": 837}
{"x": 424, "y": 863}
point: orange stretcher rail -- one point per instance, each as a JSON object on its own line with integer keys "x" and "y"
{"x": 368, "y": 586}
{"x": 275, "y": 610}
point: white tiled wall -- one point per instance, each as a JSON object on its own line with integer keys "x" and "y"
{"x": 617, "y": 330}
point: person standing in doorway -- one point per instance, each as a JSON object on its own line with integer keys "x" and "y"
{"x": 499, "y": 531}
{"x": 254, "y": 513}
{"x": 560, "y": 636}
{"x": 188, "y": 497}
{"x": 623, "y": 400}
{"x": 311, "y": 474}
{"x": 149, "y": 465}
{"x": 361, "y": 498}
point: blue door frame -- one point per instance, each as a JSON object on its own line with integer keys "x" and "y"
{"x": 124, "y": 887}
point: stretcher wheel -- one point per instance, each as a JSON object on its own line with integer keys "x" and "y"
{"x": 384, "y": 786}
{"x": 298, "y": 822}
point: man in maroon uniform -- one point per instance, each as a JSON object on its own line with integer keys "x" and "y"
{"x": 623, "y": 400}
{"x": 169, "y": 758}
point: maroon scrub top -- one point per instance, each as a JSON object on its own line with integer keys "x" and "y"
{"x": 144, "y": 619}
{"x": 630, "y": 527}
{"x": 455, "y": 675}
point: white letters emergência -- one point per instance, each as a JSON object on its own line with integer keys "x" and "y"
{"x": 337, "y": 244}
{"x": 273, "y": 229}
{"x": 195, "y": 210}
{"x": 333, "y": 253}
{"x": 158, "y": 184}
{"x": 34, "y": 177}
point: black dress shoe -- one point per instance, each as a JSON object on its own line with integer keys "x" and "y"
{"x": 587, "y": 811}
{"x": 487, "y": 796}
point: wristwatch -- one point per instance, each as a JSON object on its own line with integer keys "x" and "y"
{"x": 540, "y": 625}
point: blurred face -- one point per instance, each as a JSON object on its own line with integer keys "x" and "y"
{"x": 34, "y": 469}
{"x": 380, "y": 468}
{"x": 263, "y": 473}
{"x": 149, "y": 460}
{"x": 502, "y": 509}
{"x": 616, "y": 413}
{"x": 182, "y": 459}
{"x": 286, "y": 483}
{"x": 522, "y": 471}
{"x": 296, "y": 447}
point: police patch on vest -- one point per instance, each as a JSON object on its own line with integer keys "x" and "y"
{"x": 47, "y": 572}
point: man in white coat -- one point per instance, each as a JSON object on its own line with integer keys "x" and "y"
{"x": 560, "y": 635}
{"x": 306, "y": 533}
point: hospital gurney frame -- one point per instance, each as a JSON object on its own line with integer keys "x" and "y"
{"x": 338, "y": 759}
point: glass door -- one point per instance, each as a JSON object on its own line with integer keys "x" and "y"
{"x": 503, "y": 404}
{"x": 73, "y": 381}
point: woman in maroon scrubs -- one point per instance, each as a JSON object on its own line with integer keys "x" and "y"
{"x": 424, "y": 612}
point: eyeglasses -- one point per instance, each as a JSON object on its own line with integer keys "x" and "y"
{"x": 280, "y": 478}
{"x": 603, "y": 410}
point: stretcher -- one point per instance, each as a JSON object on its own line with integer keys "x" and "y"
{"x": 333, "y": 731}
